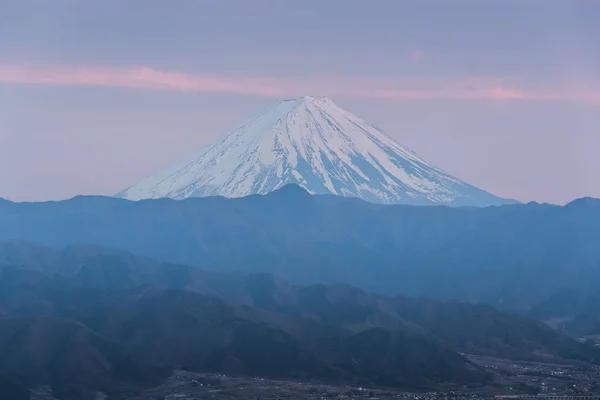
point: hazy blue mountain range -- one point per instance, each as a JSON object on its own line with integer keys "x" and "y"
{"x": 88, "y": 319}
{"x": 512, "y": 256}
{"x": 460, "y": 326}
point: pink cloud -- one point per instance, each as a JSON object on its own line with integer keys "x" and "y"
{"x": 372, "y": 88}
{"x": 136, "y": 78}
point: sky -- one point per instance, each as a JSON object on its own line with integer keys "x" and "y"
{"x": 96, "y": 95}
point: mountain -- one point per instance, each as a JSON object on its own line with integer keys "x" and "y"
{"x": 513, "y": 256}
{"x": 464, "y": 327}
{"x": 75, "y": 361}
{"x": 12, "y": 390}
{"x": 192, "y": 331}
{"x": 318, "y": 145}
{"x": 322, "y": 317}
{"x": 576, "y": 312}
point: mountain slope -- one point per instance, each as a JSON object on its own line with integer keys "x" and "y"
{"x": 192, "y": 331}
{"x": 318, "y": 145}
{"x": 320, "y": 316}
{"x": 513, "y": 256}
{"x": 74, "y": 360}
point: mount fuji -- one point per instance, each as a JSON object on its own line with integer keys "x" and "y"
{"x": 316, "y": 144}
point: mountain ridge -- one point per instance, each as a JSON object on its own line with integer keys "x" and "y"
{"x": 90, "y": 270}
{"x": 492, "y": 254}
{"x": 161, "y": 324}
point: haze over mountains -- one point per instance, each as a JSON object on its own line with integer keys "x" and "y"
{"x": 292, "y": 281}
{"x": 88, "y": 319}
{"x": 317, "y": 282}
{"x": 514, "y": 257}
{"x": 318, "y": 145}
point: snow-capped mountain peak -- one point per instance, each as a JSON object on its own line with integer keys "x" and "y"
{"x": 313, "y": 142}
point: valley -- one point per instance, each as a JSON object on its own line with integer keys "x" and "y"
{"x": 517, "y": 380}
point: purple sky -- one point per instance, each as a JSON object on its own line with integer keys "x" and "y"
{"x": 95, "y": 95}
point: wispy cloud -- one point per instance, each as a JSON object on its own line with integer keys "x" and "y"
{"x": 136, "y": 78}
{"x": 360, "y": 87}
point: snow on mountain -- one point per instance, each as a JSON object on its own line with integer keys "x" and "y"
{"x": 318, "y": 145}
